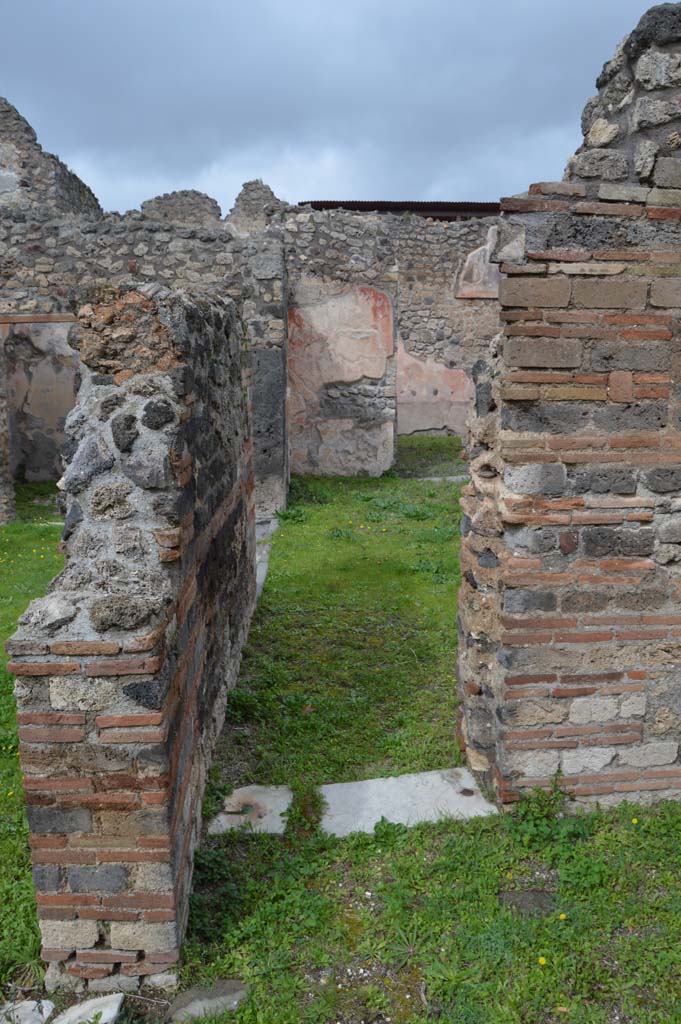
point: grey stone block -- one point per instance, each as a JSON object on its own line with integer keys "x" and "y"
{"x": 668, "y": 172}
{"x": 44, "y": 820}
{"x": 103, "y": 878}
{"x": 663, "y": 479}
{"x": 199, "y": 1002}
{"x": 604, "y": 541}
{"x": 540, "y": 478}
{"x": 47, "y": 877}
{"x": 92, "y": 458}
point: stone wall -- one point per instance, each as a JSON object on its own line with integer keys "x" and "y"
{"x": 444, "y": 329}
{"x": 41, "y": 388}
{"x": 257, "y": 281}
{"x": 381, "y": 336}
{"x": 285, "y": 267}
{"x": 30, "y": 178}
{"x": 342, "y": 278}
{"x": 571, "y": 623}
{"x": 123, "y": 669}
{"x": 6, "y": 476}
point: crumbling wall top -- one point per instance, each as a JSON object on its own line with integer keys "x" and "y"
{"x": 186, "y": 206}
{"x": 254, "y": 208}
{"x": 631, "y": 127}
{"x": 31, "y": 178}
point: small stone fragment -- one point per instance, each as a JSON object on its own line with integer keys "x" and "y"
{"x": 200, "y": 1002}
{"x": 92, "y": 458}
{"x": 30, "y": 1011}
{"x": 157, "y": 413}
{"x": 644, "y": 158}
{"x": 49, "y": 613}
{"x": 104, "y": 1009}
{"x": 124, "y": 431}
{"x": 117, "y": 612}
{"x": 602, "y": 132}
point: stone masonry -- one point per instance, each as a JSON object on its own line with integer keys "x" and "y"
{"x": 6, "y": 477}
{"x": 42, "y": 380}
{"x": 123, "y": 668}
{"x": 570, "y": 619}
{"x": 382, "y": 339}
{"x": 185, "y": 332}
{"x": 281, "y": 264}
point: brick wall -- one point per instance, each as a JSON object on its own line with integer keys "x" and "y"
{"x": 123, "y": 669}
{"x": 570, "y": 614}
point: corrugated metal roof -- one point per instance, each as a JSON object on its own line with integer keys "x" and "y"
{"x": 437, "y": 210}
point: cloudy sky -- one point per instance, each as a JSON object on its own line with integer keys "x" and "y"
{"x": 322, "y": 99}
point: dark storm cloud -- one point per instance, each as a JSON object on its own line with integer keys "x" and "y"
{"x": 417, "y": 99}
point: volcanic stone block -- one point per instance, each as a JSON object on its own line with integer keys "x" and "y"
{"x": 668, "y": 171}
{"x": 531, "y": 291}
{"x": 536, "y": 479}
{"x": 596, "y": 293}
{"x": 666, "y": 291}
{"x": 543, "y": 352}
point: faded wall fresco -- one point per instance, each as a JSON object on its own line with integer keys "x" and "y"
{"x": 41, "y": 387}
{"x": 341, "y": 381}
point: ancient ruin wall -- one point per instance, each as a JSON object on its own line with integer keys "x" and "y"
{"x": 49, "y": 247}
{"x": 570, "y": 611}
{"x": 382, "y": 336}
{"x": 123, "y": 669}
{"x": 444, "y": 322}
{"x": 257, "y": 280}
{"x": 6, "y": 476}
{"x": 41, "y": 385}
{"x": 342, "y": 283}
{"x": 32, "y": 180}
{"x": 385, "y": 288}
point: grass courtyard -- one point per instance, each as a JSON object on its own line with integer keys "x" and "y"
{"x": 532, "y": 918}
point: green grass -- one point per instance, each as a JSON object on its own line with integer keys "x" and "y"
{"x": 419, "y": 455}
{"x": 349, "y": 669}
{"x": 511, "y": 920}
{"x": 532, "y": 918}
{"x": 28, "y": 561}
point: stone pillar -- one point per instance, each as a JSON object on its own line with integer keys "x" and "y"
{"x": 570, "y": 601}
{"x": 123, "y": 669}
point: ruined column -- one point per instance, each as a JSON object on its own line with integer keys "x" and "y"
{"x": 124, "y": 668}
{"x": 570, "y": 601}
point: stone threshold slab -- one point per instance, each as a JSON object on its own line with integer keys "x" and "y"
{"x": 404, "y": 799}
{"x": 359, "y": 806}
